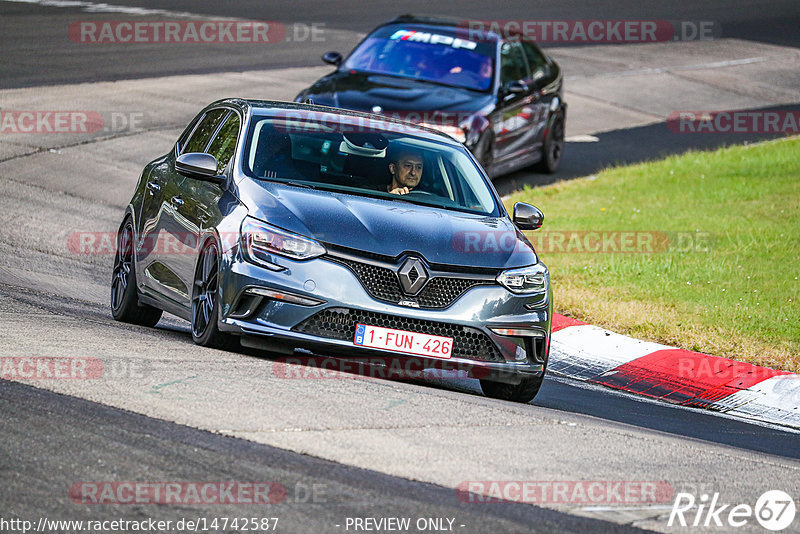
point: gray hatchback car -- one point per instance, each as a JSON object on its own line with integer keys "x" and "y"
{"x": 288, "y": 226}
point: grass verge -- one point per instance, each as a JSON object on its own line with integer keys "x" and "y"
{"x": 699, "y": 251}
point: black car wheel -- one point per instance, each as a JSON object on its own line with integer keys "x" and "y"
{"x": 553, "y": 147}
{"x": 125, "y": 305}
{"x": 483, "y": 151}
{"x": 205, "y": 302}
{"x": 523, "y": 392}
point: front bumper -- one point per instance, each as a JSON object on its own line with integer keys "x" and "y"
{"x": 342, "y": 301}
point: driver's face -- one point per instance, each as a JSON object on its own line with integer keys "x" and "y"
{"x": 407, "y": 171}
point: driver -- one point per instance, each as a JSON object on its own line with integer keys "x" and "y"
{"x": 406, "y": 172}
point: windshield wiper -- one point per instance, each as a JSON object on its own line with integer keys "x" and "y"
{"x": 284, "y": 181}
{"x": 299, "y": 184}
{"x": 417, "y": 202}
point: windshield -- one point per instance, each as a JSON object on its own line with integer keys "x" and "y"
{"x": 430, "y": 55}
{"x": 323, "y": 152}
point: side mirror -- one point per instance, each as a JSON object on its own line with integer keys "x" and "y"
{"x": 527, "y": 217}
{"x": 512, "y": 89}
{"x": 332, "y": 58}
{"x": 200, "y": 166}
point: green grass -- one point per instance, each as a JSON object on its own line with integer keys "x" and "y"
{"x": 727, "y": 284}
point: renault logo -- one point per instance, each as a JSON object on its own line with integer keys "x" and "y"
{"x": 413, "y": 276}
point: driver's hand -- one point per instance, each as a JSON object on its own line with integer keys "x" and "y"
{"x": 399, "y": 191}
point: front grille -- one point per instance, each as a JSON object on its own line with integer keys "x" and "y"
{"x": 340, "y": 323}
{"x": 441, "y": 291}
{"x": 382, "y": 284}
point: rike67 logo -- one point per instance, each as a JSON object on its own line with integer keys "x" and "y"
{"x": 774, "y": 510}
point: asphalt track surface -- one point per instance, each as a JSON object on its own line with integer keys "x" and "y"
{"x": 36, "y": 49}
{"x": 378, "y": 448}
{"x": 66, "y": 433}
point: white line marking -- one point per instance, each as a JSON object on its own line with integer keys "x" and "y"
{"x": 581, "y": 139}
{"x": 727, "y": 63}
{"x": 625, "y": 508}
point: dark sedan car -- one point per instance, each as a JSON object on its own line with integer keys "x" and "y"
{"x": 500, "y": 96}
{"x": 280, "y": 225}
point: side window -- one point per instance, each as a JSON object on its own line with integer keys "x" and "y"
{"x": 536, "y": 61}
{"x": 224, "y": 143}
{"x": 205, "y": 129}
{"x": 186, "y": 133}
{"x": 512, "y": 63}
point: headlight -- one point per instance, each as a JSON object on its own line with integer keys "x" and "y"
{"x": 453, "y": 131}
{"x": 526, "y": 280}
{"x": 260, "y": 240}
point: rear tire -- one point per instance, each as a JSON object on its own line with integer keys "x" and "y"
{"x": 553, "y": 147}
{"x": 205, "y": 302}
{"x": 125, "y": 305}
{"x": 523, "y": 392}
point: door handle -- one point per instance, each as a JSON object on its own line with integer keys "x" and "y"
{"x": 153, "y": 187}
{"x": 177, "y": 201}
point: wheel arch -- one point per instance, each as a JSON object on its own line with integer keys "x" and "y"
{"x": 211, "y": 235}
{"x": 130, "y": 213}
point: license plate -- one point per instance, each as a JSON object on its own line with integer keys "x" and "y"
{"x": 402, "y": 341}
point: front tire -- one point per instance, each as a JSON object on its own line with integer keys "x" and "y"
{"x": 553, "y": 147}
{"x": 205, "y": 302}
{"x": 483, "y": 152}
{"x": 523, "y": 392}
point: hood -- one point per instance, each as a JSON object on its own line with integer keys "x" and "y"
{"x": 389, "y": 227}
{"x": 363, "y": 91}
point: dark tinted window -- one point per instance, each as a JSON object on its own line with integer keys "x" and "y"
{"x": 329, "y": 156}
{"x": 186, "y": 133}
{"x": 426, "y": 53}
{"x": 205, "y": 129}
{"x": 536, "y": 61}
{"x": 512, "y": 63}
{"x": 225, "y": 142}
